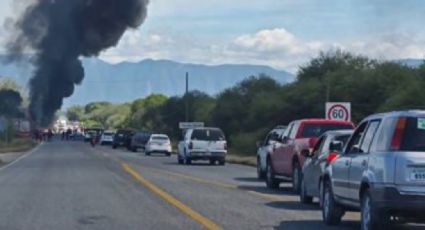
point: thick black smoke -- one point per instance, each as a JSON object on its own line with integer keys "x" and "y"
{"x": 59, "y": 32}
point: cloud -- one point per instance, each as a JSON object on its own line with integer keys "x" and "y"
{"x": 389, "y": 46}
{"x": 135, "y": 46}
{"x": 277, "y": 47}
{"x": 272, "y": 41}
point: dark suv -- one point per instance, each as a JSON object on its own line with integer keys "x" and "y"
{"x": 380, "y": 172}
{"x": 122, "y": 138}
{"x": 139, "y": 140}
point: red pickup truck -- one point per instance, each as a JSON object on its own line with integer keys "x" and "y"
{"x": 285, "y": 162}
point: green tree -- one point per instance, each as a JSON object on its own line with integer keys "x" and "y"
{"x": 75, "y": 113}
{"x": 10, "y": 102}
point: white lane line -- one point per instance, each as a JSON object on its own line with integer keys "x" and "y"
{"x": 21, "y": 157}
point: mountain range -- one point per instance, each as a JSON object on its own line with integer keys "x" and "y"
{"x": 126, "y": 81}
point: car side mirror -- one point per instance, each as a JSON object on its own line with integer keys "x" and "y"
{"x": 306, "y": 153}
{"x": 336, "y": 146}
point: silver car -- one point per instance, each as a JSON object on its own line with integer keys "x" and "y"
{"x": 381, "y": 172}
{"x": 317, "y": 160}
{"x": 264, "y": 148}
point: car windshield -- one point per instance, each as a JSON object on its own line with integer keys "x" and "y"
{"x": 207, "y": 135}
{"x": 316, "y": 130}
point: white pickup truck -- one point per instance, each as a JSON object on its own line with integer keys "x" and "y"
{"x": 203, "y": 144}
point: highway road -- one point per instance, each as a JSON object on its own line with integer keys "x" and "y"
{"x": 70, "y": 185}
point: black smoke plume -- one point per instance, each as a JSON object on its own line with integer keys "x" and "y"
{"x": 58, "y": 33}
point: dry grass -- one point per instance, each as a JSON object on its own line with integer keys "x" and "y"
{"x": 243, "y": 160}
{"x": 17, "y": 145}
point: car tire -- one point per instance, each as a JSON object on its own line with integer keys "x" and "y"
{"x": 114, "y": 146}
{"x": 134, "y": 149}
{"x": 188, "y": 162}
{"x": 147, "y": 153}
{"x": 296, "y": 178}
{"x": 304, "y": 197}
{"x": 331, "y": 211}
{"x": 260, "y": 173}
{"x": 321, "y": 191}
{"x": 370, "y": 217}
{"x": 168, "y": 154}
{"x": 212, "y": 162}
{"x": 222, "y": 162}
{"x": 271, "y": 181}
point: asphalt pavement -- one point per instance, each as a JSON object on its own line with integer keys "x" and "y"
{"x": 71, "y": 185}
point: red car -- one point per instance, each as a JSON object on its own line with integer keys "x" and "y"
{"x": 285, "y": 162}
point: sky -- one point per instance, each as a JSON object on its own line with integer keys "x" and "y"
{"x": 284, "y": 34}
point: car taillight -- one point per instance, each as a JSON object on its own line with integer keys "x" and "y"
{"x": 190, "y": 145}
{"x": 332, "y": 157}
{"x": 398, "y": 134}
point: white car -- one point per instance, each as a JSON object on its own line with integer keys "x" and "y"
{"x": 158, "y": 143}
{"x": 203, "y": 144}
{"x": 266, "y": 147}
{"x": 107, "y": 138}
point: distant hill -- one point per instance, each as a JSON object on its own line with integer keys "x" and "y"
{"x": 411, "y": 62}
{"x": 127, "y": 81}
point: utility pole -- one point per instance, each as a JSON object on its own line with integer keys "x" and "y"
{"x": 187, "y": 97}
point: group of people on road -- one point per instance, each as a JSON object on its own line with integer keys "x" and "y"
{"x": 42, "y": 135}
{"x": 66, "y": 135}
{"x": 47, "y": 134}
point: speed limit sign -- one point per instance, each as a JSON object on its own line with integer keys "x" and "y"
{"x": 340, "y": 111}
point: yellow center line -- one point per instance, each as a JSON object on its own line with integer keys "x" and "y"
{"x": 208, "y": 224}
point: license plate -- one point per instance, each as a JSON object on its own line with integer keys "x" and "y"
{"x": 418, "y": 174}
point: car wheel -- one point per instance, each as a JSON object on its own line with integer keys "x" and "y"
{"x": 222, "y": 162}
{"x": 370, "y": 217}
{"x": 271, "y": 181}
{"x": 114, "y": 146}
{"x": 331, "y": 211}
{"x": 147, "y": 153}
{"x": 188, "y": 161}
{"x": 134, "y": 149}
{"x": 168, "y": 154}
{"x": 260, "y": 173}
{"x": 296, "y": 177}
{"x": 304, "y": 197}
{"x": 212, "y": 162}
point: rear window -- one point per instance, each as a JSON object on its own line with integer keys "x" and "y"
{"x": 316, "y": 130}
{"x": 159, "y": 138}
{"x": 414, "y": 135}
{"x": 207, "y": 135}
